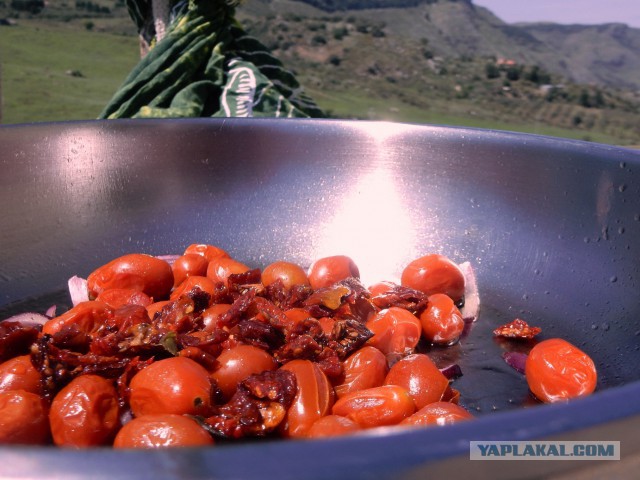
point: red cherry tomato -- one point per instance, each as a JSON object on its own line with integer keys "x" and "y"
{"x": 441, "y": 321}
{"x": 434, "y": 274}
{"x": 163, "y": 430}
{"x": 145, "y": 273}
{"x": 86, "y": 316}
{"x": 420, "y": 377}
{"x": 365, "y": 368}
{"x": 207, "y": 251}
{"x": 395, "y": 330}
{"x": 118, "y": 297}
{"x": 174, "y": 385}
{"x": 558, "y": 371}
{"x": 220, "y": 268}
{"x": 332, "y": 426}
{"x": 376, "y": 407}
{"x": 85, "y": 413}
{"x": 23, "y": 419}
{"x": 313, "y": 399}
{"x": 326, "y": 271}
{"x": 380, "y": 288}
{"x": 156, "y": 307}
{"x": 238, "y": 363}
{"x": 438, "y": 413}
{"x": 203, "y": 283}
{"x": 188, "y": 265}
{"x": 19, "y": 373}
{"x": 289, "y": 273}
{"x": 211, "y": 315}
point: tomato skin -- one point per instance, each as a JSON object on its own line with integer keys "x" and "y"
{"x": 365, "y": 368}
{"x": 162, "y": 430}
{"x": 441, "y": 321}
{"x": 188, "y": 265}
{"x": 420, "y": 377}
{"x": 326, "y": 271}
{"x": 376, "y": 407}
{"x": 558, "y": 371}
{"x": 332, "y": 426}
{"x": 438, "y": 413}
{"x": 289, "y": 273}
{"x": 203, "y": 283}
{"x": 220, "y": 268}
{"x": 156, "y": 307}
{"x": 238, "y": 363}
{"x": 19, "y": 373}
{"x": 176, "y": 385}
{"x": 395, "y": 330}
{"x": 138, "y": 271}
{"x": 118, "y": 297}
{"x": 86, "y": 316}
{"x": 85, "y": 413}
{"x": 207, "y": 251}
{"x": 211, "y": 315}
{"x": 23, "y": 418}
{"x": 434, "y": 274}
{"x": 313, "y": 399}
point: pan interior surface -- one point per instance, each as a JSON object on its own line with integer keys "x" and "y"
{"x": 551, "y": 227}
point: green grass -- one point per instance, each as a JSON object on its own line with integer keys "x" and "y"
{"x": 36, "y": 59}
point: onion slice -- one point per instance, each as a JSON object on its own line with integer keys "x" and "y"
{"x": 51, "y": 311}
{"x": 471, "y": 306}
{"x": 516, "y": 360}
{"x": 170, "y": 259}
{"x": 29, "y": 319}
{"x": 452, "y": 371}
{"x": 78, "y": 290}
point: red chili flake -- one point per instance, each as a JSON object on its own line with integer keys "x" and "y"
{"x": 517, "y": 329}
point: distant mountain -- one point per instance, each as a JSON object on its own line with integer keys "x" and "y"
{"x": 606, "y": 55}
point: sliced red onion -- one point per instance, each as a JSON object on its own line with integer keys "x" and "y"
{"x": 29, "y": 319}
{"x": 51, "y": 311}
{"x": 170, "y": 259}
{"x": 452, "y": 372}
{"x": 515, "y": 360}
{"x": 78, "y": 290}
{"x": 471, "y": 306}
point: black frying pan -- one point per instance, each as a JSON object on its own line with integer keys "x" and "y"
{"x": 552, "y": 227}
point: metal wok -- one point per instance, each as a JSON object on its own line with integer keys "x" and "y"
{"x": 551, "y": 226}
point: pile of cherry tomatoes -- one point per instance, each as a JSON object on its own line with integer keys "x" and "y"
{"x": 203, "y": 349}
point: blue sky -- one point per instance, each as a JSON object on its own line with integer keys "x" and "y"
{"x": 565, "y": 11}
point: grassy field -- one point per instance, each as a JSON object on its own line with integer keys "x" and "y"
{"x": 59, "y": 72}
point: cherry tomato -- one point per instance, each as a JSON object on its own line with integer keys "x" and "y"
{"x": 434, "y": 274}
{"x": 85, "y": 413}
{"x": 207, "y": 251}
{"x": 173, "y": 385}
{"x": 156, "y": 307}
{"x": 558, "y": 371}
{"x": 203, "y": 283}
{"x": 326, "y": 271}
{"x": 289, "y": 273}
{"x": 187, "y": 265}
{"x": 365, "y": 368}
{"x": 86, "y": 316}
{"x": 23, "y": 418}
{"x": 162, "y": 430}
{"x": 380, "y": 288}
{"x": 211, "y": 315}
{"x": 238, "y": 363}
{"x": 118, "y": 297}
{"x": 19, "y": 373}
{"x": 313, "y": 399}
{"x": 220, "y": 268}
{"x": 420, "y": 377}
{"x": 376, "y": 407}
{"x": 395, "y": 330}
{"x": 438, "y": 413}
{"x": 332, "y": 426}
{"x": 145, "y": 273}
{"x": 441, "y": 321}
{"x": 327, "y": 324}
